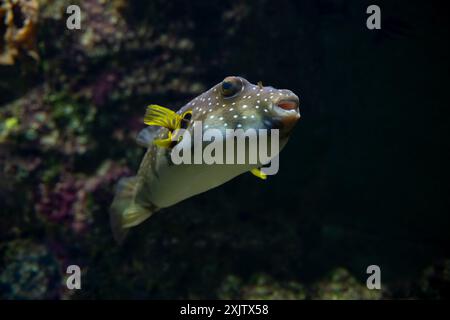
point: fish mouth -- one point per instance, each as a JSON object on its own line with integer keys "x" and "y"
{"x": 290, "y": 103}
{"x": 287, "y": 110}
{"x": 288, "y": 106}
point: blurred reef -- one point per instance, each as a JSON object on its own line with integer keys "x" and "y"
{"x": 361, "y": 181}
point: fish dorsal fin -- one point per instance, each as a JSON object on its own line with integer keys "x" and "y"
{"x": 146, "y": 136}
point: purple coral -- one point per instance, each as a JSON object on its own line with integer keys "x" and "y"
{"x": 103, "y": 87}
{"x": 66, "y": 201}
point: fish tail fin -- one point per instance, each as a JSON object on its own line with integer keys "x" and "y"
{"x": 125, "y": 212}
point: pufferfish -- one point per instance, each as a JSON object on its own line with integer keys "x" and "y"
{"x": 234, "y": 103}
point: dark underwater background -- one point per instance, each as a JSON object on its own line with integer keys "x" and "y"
{"x": 363, "y": 181}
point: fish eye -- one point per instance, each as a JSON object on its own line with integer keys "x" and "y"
{"x": 231, "y": 86}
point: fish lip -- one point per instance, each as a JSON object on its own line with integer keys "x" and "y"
{"x": 288, "y": 107}
{"x": 288, "y": 103}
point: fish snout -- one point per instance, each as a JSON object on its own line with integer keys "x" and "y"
{"x": 286, "y": 106}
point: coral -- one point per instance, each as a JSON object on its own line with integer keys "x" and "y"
{"x": 49, "y": 121}
{"x": 341, "y": 285}
{"x": 118, "y": 48}
{"x": 261, "y": 287}
{"x": 18, "y": 27}
{"x": 435, "y": 281}
{"x": 29, "y": 271}
{"x": 66, "y": 201}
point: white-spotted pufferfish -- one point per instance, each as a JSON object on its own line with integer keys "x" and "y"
{"x": 234, "y": 103}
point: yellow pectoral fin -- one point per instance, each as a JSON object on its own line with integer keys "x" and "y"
{"x": 164, "y": 143}
{"x": 160, "y": 116}
{"x": 257, "y": 172}
{"x": 185, "y": 118}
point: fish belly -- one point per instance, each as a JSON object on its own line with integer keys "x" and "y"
{"x": 179, "y": 182}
